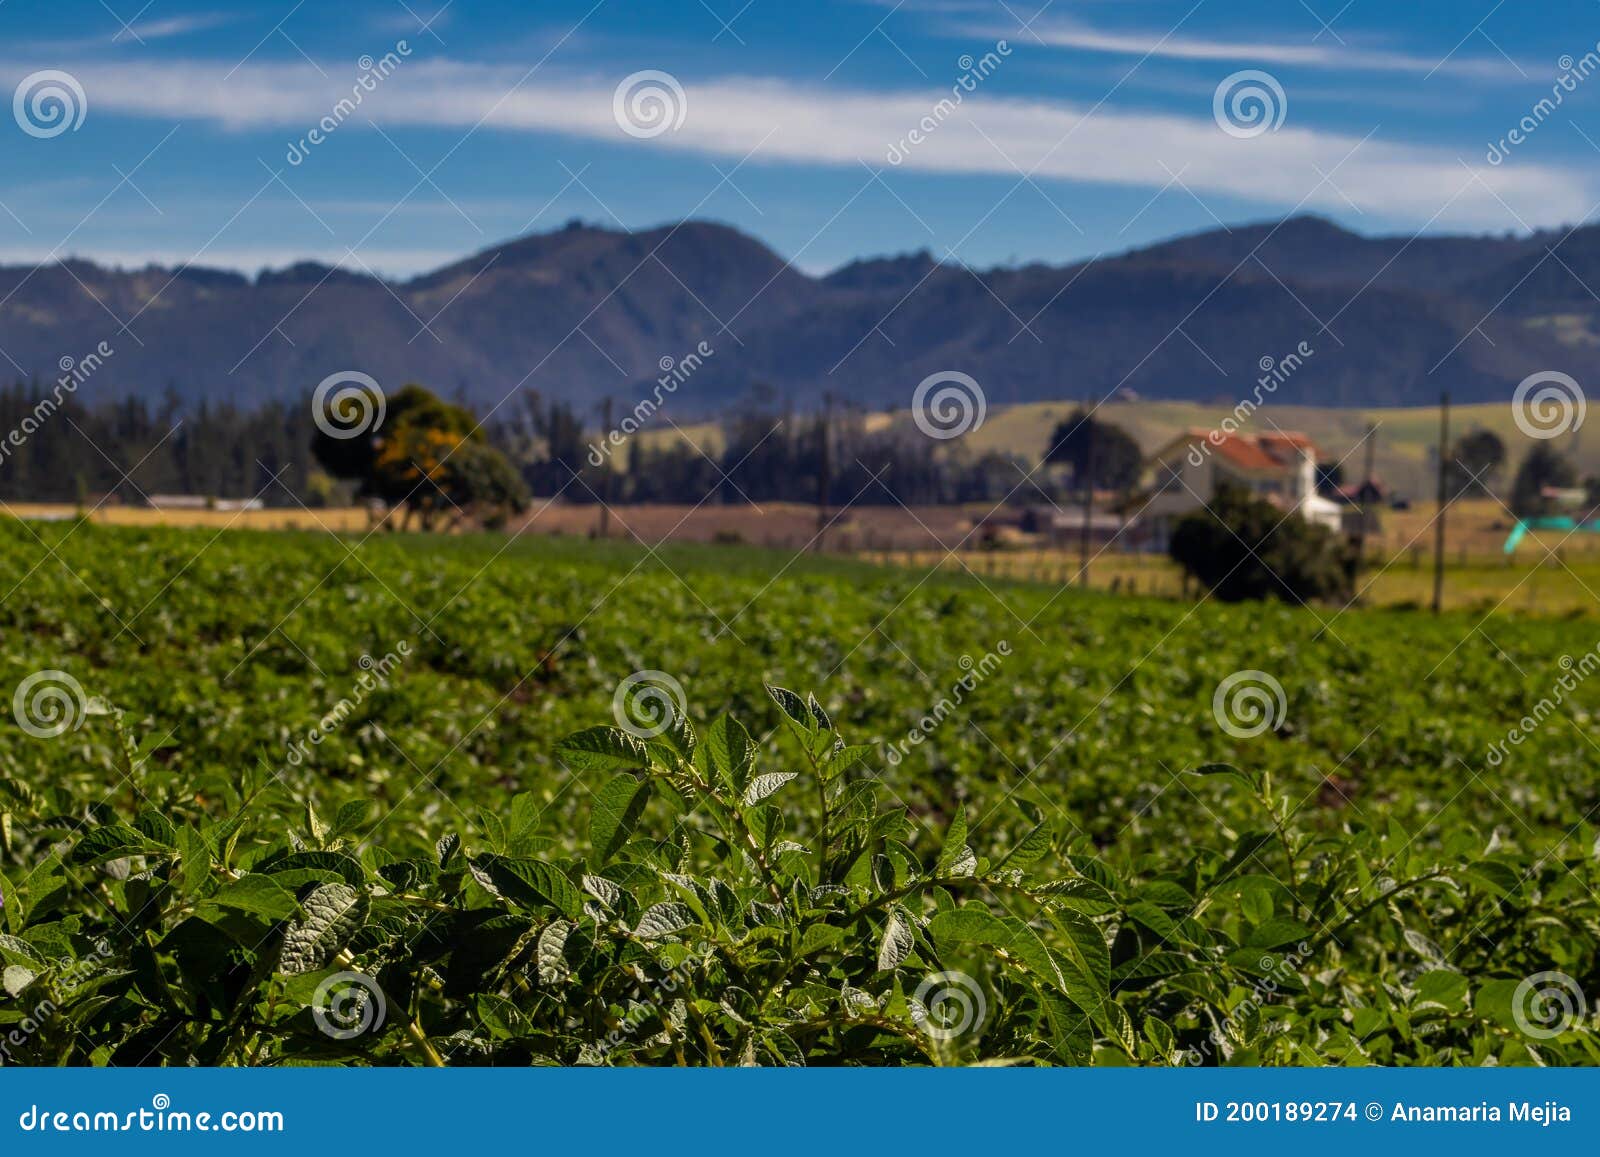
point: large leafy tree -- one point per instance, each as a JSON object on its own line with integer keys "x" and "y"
{"x": 1474, "y": 461}
{"x": 431, "y": 456}
{"x": 1541, "y": 467}
{"x": 1082, "y": 438}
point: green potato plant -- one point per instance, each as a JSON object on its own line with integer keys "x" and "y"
{"x": 1074, "y": 865}
{"x": 723, "y": 914}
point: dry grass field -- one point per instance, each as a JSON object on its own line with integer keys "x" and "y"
{"x": 778, "y": 525}
{"x": 340, "y": 519}
{"x": 1551, "y": 572}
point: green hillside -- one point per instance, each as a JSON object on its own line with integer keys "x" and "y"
{"x": 1404, "y": 441}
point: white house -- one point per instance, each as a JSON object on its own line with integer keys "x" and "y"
{"x": 203, "y": 502}
{"x": 1280, "y": 467}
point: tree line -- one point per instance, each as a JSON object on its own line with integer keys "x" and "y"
{"x": 66, "y": 449}
{"x": 763, "y": 450}
{"x": 443, "y": 460}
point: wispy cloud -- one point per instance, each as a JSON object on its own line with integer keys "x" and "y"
{"x": 777, "y": 121}
{"x": 414, "y": 17}
{"x": 1327, "y": 54}
{"x": 174, "y": 26}
{"x": 137, "y": 31}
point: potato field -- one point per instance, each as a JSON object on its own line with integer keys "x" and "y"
{"x": 292, "y": 798}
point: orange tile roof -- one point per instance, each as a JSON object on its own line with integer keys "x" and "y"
{"x": 1248, "y": 453}
{"x": 1288, "y": 438}
{"x": 1261, "y": 453}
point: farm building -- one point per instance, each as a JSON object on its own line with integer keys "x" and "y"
{"x": 1059, "y": 526}
{"x": 1063, "y": 525}
{"x": 1280, "y": 467}
{"x": 1363, "y": 504}
{"x": 202, "y": 502}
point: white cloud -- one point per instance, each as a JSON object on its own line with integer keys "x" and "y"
{"x": 779, "y": 121}
{"x": 1328, "y": 53}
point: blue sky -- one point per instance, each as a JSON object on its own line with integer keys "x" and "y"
{"x": 1093, "y": 129}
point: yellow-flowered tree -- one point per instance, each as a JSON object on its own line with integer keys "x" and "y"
{"x": 430, "y": 457}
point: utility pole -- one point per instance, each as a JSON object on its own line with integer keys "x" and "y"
{"x": 824, "y": 468}
{"x": 1361, "y": 531}
{"x": 1444, "y": 501}
{"x": 1088, "y": 496}
{"x": 605, "y": 484}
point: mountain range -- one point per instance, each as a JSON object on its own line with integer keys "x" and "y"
{"x": 586, "y": 312}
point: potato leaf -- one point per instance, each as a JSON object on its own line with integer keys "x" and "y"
{"x": 333, "y": 913}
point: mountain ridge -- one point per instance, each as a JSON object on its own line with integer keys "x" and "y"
{"x": 584, "y": 312}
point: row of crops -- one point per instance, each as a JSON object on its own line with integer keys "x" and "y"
{"x": 285, "y": 798}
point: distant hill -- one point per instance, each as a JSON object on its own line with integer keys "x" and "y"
{"x": 585, "y": 312}
{"x": 1315, "y": 251}
{"x": 1403, "y": 443}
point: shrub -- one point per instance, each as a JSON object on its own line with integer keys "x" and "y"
{"x": 1240, "y": 548}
